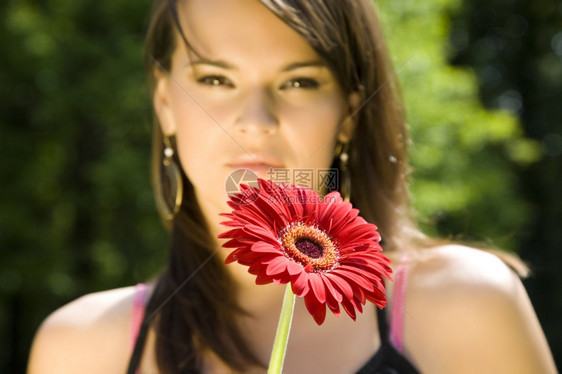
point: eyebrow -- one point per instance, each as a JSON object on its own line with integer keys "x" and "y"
{"x": 225, "y": 65}
{"x": 216, "y": 63}
{"x": 306, "y": 64}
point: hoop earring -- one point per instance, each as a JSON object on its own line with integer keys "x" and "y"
{"x": 342, "y": 155}
{"x": 170, "y": 195}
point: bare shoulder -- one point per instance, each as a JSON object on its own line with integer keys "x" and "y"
{"x": 89, "y": 335}
{"x": 451, "y": 268}
{"x": 467, "y": 311}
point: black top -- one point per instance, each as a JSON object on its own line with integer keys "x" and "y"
{"x": 387, "y": 360}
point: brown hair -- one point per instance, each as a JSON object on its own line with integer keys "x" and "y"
{"x": 347, "y": 35}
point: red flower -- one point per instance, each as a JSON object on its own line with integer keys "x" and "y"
{"x": 330, "y": 255}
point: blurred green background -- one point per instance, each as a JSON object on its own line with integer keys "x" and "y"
{"x": 483, "y": 85}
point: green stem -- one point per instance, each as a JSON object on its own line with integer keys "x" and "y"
{"x": 282, "y": 335}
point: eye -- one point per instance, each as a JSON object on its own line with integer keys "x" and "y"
{"x": 215, "y": 81}
{"x": 302, "y": 83}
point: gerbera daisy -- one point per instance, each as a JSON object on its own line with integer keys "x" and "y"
{"x": 328, "y": 253}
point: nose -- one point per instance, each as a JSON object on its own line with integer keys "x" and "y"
{"x": 257, "y": 113}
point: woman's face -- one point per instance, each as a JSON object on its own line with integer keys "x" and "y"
{"x": 258, "y": 96}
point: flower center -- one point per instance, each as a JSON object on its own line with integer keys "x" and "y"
{"x": 309, "y": 246}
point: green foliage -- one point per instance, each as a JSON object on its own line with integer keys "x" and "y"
{"x": 465, "y": 157}
{"x": 77, "y": 139}
{"x": 77, "y": 213}
{"x": 515, "y": 48}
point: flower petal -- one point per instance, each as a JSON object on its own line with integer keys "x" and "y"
{"x": 299, "y": 284}
{"x": 333, "y": 304}
{"x": 341, "y": 284}
{"x": 277, "y": 265}
{"x": 315, "y": 308}
{"x": 317, "y": 287}
{"x": 264, "y": 247}
{"x": 232, "y": 257}
{"x": 294, "y": 268}
{"x": 354, "y": 279}
{"x": 260, "y": 233}
{"x": 331, "y": 289}
{"x": 379, "y": 300}
{"x": 228, "y": 234}
{"x": 248, "y": 258}
{"x": 263, "y": 279}
{"x": 349, "y": 308}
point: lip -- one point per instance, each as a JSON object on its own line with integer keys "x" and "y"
{"x": 257, "y": 162}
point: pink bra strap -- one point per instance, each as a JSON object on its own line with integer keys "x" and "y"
{"x": 138, "y": 311}
{"x": 398, "y": 307}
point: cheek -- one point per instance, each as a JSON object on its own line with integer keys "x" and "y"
{"x": 321, "y": 115}
{"x": 200, "y": 117}
{"x": 312, "y": 130}
{"x": 195, "y": 131}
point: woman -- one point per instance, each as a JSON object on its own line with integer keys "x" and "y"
{"x": 287, "y": 85}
